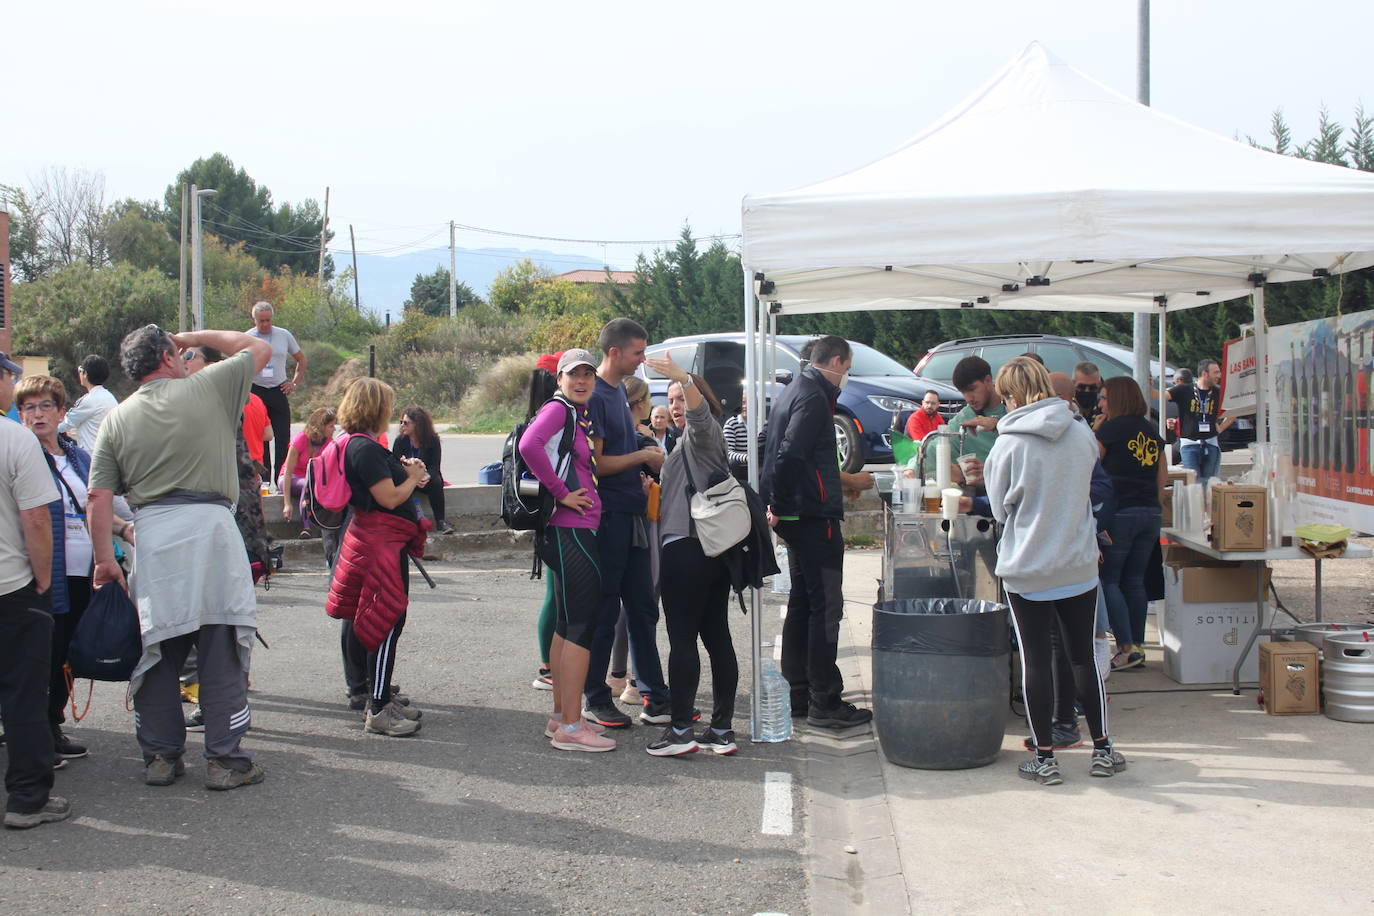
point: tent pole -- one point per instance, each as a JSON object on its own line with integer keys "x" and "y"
{"x": 1163, "y": 386}
{"x": 752, "y": 430}
{"x": 1261, "y": 367}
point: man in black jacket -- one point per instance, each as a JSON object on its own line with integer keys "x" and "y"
{"x": 804, "y": 489}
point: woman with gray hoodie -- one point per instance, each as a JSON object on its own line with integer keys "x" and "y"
{"x": 1037, "y": 477}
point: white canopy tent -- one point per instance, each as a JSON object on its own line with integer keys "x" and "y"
{"x": 1047, "y": 190}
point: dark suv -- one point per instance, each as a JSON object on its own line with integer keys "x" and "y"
{"x": 879, "y": 387}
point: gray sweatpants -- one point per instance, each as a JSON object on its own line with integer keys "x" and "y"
{"x": 159, "y": 722}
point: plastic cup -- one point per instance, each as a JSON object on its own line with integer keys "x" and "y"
{"x": 949, "y": 501}
{"x": 965, "y": 462}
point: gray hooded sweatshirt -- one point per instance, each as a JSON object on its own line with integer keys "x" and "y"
{"x": 1037, "y": 477}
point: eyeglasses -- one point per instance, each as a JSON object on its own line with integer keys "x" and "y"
{"x": 37, "y": 406}
{"x": 191, "y": 355}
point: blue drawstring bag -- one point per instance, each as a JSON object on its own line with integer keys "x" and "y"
{"x": 107, "y": 643}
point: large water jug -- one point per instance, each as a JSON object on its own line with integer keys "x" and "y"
{"x": 775, "y": 702}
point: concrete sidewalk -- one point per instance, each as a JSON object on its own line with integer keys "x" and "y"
{"x": 1223, "y": 808}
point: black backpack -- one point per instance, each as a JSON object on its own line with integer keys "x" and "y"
{"x": 525, "y": 503}
{"x": 108, "y": 641}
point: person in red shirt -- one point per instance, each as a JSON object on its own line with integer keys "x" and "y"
{"x": 922, "y": 421}
{"x": 257, "y": 428}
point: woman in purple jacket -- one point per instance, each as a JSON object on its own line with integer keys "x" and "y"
{"x": 568, "y": 545}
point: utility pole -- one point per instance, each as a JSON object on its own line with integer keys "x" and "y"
{"x": 452, "y": 272}
{"x": 1140, "y": 325}
{"x": 181, "y": 265}
{"x": 324, "y": 231}
{"x": 357, "y": 297}
{"x": 197, "y": 260}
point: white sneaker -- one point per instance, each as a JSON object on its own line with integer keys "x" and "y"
{"x": 630, "y": 696}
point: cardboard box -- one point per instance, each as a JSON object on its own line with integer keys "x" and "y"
{"x": 1288, "y": 678}
{"x": 1167, "y": 520}
{"x": 1202, "y": 640}
{"x": 1239, "y": 517}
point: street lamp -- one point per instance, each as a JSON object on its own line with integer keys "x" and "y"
{"x": 197, "y": 261}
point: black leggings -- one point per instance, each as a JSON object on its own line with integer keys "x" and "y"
{"x": 279, "y": 414}
{"x": 696, "y": 602}
{"x": 1076, "y": 619}
{"x": 435, "y": 491}
{"x": 573, "y": 559}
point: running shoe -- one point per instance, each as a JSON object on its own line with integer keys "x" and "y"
{"x": 552, "y": 725}
{"x": 617, "y": 684}
{"x": 606, "y": 715}
{"x": 631, "y": 696}
{"x": 673, "y": 743}
{"x": 1107, "y": 762}
{"x": 581, "y": 738}
{"x": 195, "y": 722}
{"x": 1064, "y": 737}
{"x": 662, "y": 713}
{"x": 1045, "y": 772}
{"x": 544, "y": 680}
{"x": 56, "y": 808}
{"x": 720, "y": 742}
{"x": 391, "y": 721}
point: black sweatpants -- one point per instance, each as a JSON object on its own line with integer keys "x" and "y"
{"x": 811, "y": 630}
{"x": 696, "y": 603}
{"x": 63, "y": 627}
{"x": 279, "y": 413}
{"x": 25, "y": 641}
{"x": 381, "y": 662}
{"x": 1076, "y": 620}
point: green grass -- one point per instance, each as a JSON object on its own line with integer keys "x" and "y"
{"x": 489, "y": 420}
{"x": 860, "y": 540}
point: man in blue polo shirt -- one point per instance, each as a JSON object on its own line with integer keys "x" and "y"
{"x": 623, "y": 538}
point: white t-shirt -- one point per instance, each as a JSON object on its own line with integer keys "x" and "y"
{"x": 25, "y": 483}
{"x": 86, "y": 415}
{"x": 283, "y": 344}
{"x": 78, "y": 540}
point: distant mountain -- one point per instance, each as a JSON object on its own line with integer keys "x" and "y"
{"x": 384, "y": 282}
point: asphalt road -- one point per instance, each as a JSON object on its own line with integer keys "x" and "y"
{"x": 475, "y": 814}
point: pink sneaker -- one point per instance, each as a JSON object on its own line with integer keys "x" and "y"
{"x": 553, "y": 723}
{"x": 582, "y": 739}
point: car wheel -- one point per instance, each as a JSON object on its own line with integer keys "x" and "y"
{"x": 851, "y": 449}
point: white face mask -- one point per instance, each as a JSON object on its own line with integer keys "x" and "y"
{"x": 841, "y": 381}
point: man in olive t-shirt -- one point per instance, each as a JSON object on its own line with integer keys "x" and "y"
{"x": 170, "y": 448}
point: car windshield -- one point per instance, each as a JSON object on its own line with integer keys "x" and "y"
{"x": 868, "y": 361}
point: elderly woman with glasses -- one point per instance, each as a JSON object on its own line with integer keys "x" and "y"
{"x": 42, "y": 404}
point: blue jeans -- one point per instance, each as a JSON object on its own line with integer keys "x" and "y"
{"x": 1134, "y": 534}
{"x": 1204, "y": 460}
{"x": 625, "y": 577}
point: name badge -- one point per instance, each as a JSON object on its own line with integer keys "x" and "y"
{"x": 1204, "y": 426}
{"x": 75, "y": 523}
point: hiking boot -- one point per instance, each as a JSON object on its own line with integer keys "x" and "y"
{"x": 163, "y": 771}
{"x": 606, "y": 715}
{"x": 841, "y": 715}
{"x": 662, "y": 713}
{"x": 391, "y": 721}
{"x": 57, "y": 809}
{"x": 66, "y": 748}
{"x": 581, "y": 738}
{"x": 1063, "y": 737}
{"x": 1107, "y": 762}
{"x": 673, "y": 743}
{"x": 1045, "y": 772}
{"x": 553, "y": 723}
{"x": 195, "y": 722}
{"x": 544, "y": 680}
{"x": 221, "y": 778}
{"x": 720, "y": 742}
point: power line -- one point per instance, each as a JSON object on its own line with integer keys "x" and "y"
{"x": 554, "y": 238}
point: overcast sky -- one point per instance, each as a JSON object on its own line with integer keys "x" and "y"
{"x": 607, "y": 120}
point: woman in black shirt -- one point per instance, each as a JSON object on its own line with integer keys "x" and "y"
{"x": 418, "y": 439}
{"x": 1134, "y": 456}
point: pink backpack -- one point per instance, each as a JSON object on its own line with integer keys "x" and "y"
{"x": 326, "y": 486}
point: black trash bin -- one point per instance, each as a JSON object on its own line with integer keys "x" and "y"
{"x": 941, "y": 670}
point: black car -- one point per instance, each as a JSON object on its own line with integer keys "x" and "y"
{"x": 881, "y": 392}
